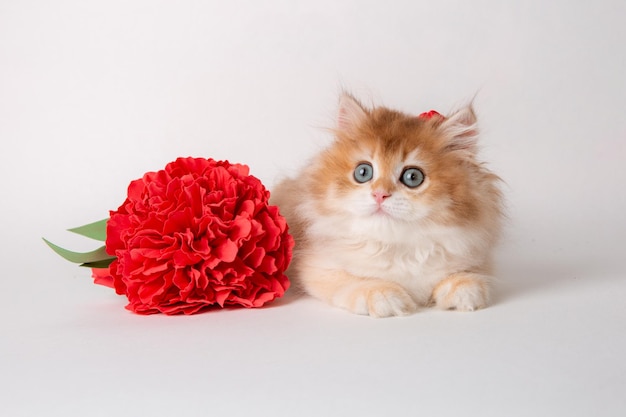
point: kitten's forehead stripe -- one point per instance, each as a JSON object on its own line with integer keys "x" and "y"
{"x": 399, "y": 134}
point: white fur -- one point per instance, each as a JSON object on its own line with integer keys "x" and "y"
{"x": 415, "y": 255}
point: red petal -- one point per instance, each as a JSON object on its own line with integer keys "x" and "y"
{"x": 102, "y": 276}
{"x": 227, "y": 251}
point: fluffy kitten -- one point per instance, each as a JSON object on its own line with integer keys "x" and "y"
{"x": 397, "y": 213}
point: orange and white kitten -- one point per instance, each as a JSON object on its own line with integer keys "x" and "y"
{"x": 396, "y": 214}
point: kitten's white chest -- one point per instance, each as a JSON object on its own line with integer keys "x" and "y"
{"x": 418, "y": 265}
{"x": 414, "y": 256}
{"x": 377, "y": 259}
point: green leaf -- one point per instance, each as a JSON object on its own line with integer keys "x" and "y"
{"x": 98, "y": 264}
{"x": 96, "y": 230}
{"x": 97, "y": 255}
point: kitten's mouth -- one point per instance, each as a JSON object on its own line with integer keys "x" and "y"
{"x": 380, "y": 211}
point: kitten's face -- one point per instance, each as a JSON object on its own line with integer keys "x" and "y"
{"x": 384, "y": 185}
{"x": 388, "y": 166}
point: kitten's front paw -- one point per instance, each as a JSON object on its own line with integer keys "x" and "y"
{"x": 377, "y": 299}
{"x": 464, "y": 291}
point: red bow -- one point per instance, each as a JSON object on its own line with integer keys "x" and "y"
{"x": 430, "y": 115}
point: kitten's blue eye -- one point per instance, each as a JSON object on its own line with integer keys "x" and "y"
{"x": 363, "y": 172}
{"x": 412, "y": 177}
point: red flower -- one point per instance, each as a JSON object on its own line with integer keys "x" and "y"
{"x": 198, "y": 234}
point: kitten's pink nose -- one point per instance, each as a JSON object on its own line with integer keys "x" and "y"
{"x": 380, "y": 196}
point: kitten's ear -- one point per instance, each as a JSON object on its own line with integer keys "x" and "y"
{"x": 350, "y": 115}
{"x": 461, "y": 130}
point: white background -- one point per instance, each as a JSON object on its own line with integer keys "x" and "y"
{"x": 94, "y": 94}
